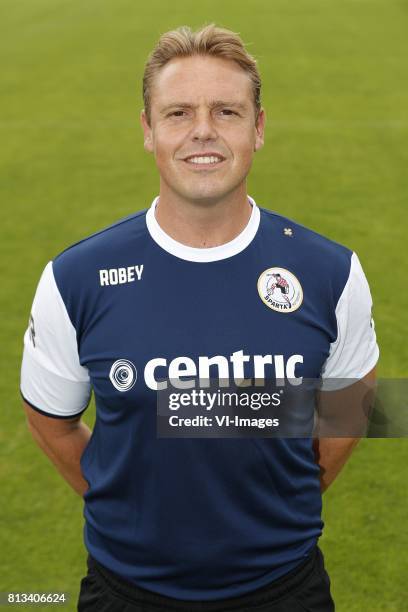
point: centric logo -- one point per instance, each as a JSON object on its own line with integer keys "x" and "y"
{"x": 123, "y": 374}
{"x": 280, "y": 290}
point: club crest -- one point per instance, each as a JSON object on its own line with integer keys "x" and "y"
{"x": 280, "y": 290}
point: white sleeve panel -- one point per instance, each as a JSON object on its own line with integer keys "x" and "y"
{"x": 52, "y": 379}
{"x": 355, "y": 351}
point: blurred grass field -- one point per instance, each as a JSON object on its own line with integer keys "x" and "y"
{"x": 335, "y": 88}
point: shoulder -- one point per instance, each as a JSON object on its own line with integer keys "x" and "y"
{"x": 320, "y": 258}
{"x": 303, "y": 237}
{"x": 109, "y": 247}
{"x": 119, "y": 233}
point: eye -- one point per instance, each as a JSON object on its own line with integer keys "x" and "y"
{"x": 178, "y": 113}
{"x": 228, "y": 111}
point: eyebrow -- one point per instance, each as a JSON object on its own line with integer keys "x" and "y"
{"x": 214, "y": 103}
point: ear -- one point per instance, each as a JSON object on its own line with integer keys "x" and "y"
{"x": 147, "y": 132}
{"x": 259, "y": 129}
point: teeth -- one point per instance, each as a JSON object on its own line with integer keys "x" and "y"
{"x": 204, "y": 160}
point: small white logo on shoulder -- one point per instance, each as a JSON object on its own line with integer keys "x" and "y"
{"x": 119, "y": 276}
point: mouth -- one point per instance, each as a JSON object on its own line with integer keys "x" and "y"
{"x": 204, "y": 161}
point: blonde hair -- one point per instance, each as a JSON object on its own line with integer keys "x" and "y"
{"x": 208, "y": 40}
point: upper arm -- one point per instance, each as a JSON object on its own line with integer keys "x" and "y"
{"x": 346, "y": 412}
{"x": 49, "y": 427}
{"x": 354, "y": 353}
{"x": 53, "y": 382}
{"x": 345, "y": 398}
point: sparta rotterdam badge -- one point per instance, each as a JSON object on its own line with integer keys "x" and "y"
{"x": 280, "y": 290}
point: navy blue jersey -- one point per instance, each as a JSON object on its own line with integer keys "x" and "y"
{"x": 128, "y": 307}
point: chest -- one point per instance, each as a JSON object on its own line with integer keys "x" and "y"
{"x": 191, "y": 320}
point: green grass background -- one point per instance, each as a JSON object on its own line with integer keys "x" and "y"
{"x": 335, "y": 158}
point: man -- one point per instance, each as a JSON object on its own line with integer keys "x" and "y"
{"x": 181, "y": 291}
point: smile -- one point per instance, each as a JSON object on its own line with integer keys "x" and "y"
{"x": 204, "y": 161}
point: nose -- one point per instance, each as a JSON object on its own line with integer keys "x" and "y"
{"x": 204, "y": 128}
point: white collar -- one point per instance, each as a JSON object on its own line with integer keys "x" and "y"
{"x": 223, "y": 251}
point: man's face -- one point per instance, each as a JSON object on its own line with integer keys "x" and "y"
{"x": 202, "y": 131}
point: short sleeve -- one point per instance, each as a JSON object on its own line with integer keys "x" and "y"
{"x": 52, "y": 379}
{"x": 355, "y": 351}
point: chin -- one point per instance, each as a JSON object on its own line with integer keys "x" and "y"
{"x": 206, "y": 193}
{"x": 205, "y": 197}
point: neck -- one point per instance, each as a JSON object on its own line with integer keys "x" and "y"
{"x": 205, "y": 223}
